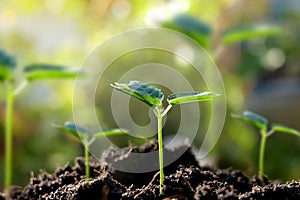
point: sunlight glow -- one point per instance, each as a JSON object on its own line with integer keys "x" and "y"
{"x": 273, "y": 59}
{"x": 121, "y": 9}
{"x": 166, "y": 11}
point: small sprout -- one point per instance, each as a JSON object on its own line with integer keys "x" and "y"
{"x": 153, "y": 97}
{"x": 262, "y": 124}
{"x": 82, "y": 133}
{"x": 32, "y": 72}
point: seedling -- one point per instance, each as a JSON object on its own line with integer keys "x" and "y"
{"x": 153, "y": 97}
{"x": 262, "y": 124}
{"x": 203, "y": 33}
{"x": 82, "y": 133}
{"x": 31, "y": 73}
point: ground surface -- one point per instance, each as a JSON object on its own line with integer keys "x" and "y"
{"x": 184, "y": 179}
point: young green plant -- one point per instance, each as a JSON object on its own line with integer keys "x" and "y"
{"x": 83, "y": 134}
{"x": 31, "y": 73}
{"x": 262, "y": 124}
{"x": 153, "y": 97}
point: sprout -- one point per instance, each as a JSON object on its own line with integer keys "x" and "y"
{"x": 31, "y": 73}
{"x": 262, "y": 124}
{"x": 82, "y": 133}
{"x": 153, "y": 97}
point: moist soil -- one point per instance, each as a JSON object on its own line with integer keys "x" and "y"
{"x": 184, "y": 179}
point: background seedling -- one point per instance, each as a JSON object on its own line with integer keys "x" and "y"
{"x": 203, "y": 32}
{"x": 153, "y": 97}
{"x": 262, "y": 124}
{"x": 31, "y": 73}
{"x": 82, "y": 133}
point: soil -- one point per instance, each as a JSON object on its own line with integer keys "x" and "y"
{"x": 184, "y": 179}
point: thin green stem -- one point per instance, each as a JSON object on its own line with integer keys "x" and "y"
{"x": 161, "y": 155}
{"x": 20, "y": 87}
{"x": 8, "y": 133}
{"x": 261, "y": 153}
{"x": 166, "y": 110}
{"x": 87, "y": 162}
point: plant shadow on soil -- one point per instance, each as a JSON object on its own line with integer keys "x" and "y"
{"x": 184, "y": 179}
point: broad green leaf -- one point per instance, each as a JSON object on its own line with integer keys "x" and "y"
{"x": 187, "y": 97}
{"x": 142, "y": 91}
{"x": 253, "y": 118}
{"x": 285, "y": 129}
{"x": 7, "y": 65}
{"x": 110, "y": 132}
{"x": 193, "y": 27}
{"x": 45, "y": 71}
{"x": 242, "y": 33}
{"x": 74, "y": 129}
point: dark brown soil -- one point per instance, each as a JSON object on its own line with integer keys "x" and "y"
{"x": 184, "y": 179}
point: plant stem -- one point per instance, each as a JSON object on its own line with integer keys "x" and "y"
{"x": 160, "y": 149}
{"x": 261, "y": 154}
{"x": 87, "y": 164}
{"x": 8, "y": 133}
{"x": 166, "y": 110}
{"x": 20, "y": 88}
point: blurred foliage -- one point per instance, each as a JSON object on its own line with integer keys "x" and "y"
{"x": 194, "y": 28}
{"x": 65, "y": 32}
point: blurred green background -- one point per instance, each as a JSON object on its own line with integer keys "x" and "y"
{"x": 260, "y": 74}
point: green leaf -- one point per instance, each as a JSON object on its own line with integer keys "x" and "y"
{"x": 253, "y": 118}
{"x": 7, "y": 65}
{"x": 142, "y": 91}
{"x": 242, "y": 33}
{"x": 193, "y": 27}
{"x": 74, "y": 129}
{"x": 285, "y": 129}
{"x": 110, "y": 132}
{"x": 45, "y": 71}
{"x": 187, "y": 97}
